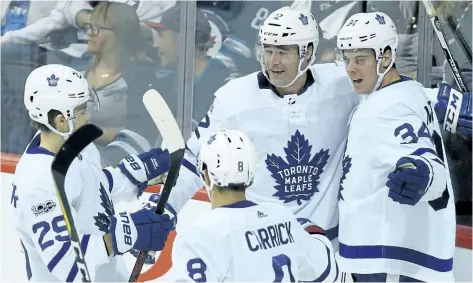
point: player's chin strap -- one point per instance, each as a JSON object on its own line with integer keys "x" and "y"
{"x": 381, "y": 75}
{"x": 209, "y": 188}
{"x": 380, "y": 60}
{"x": 64, "y": 135}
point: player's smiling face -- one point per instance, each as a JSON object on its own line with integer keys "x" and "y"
{"x": 282, "y": 63}
{"x": 361, "y": 65}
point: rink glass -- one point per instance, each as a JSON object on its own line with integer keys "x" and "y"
{"x": 189, "y": 97}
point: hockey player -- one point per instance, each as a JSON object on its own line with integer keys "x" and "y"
{"x": 294, "y": 112}
{"x": 296, "y": 115}
{"x": 396, "y": 208}
{"x": 239, "y": 240}
{"x": 58, "y": 100}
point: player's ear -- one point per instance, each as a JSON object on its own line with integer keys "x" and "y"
{"x": 60, "y": 123}
{"x": 310, "y": 53}
{"x": 387, "y": 57}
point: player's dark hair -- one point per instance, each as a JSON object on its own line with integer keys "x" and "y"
{"x": 233, "y": 188}
{"x": 51, "y": 116}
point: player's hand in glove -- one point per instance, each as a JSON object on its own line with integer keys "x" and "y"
{"x": 311, "y": 227}
{"x": 409, "y": 181}
{"x": 151, "y": 205}
{"x": 142, "y": 230}
{"x": 446, "y": 94}
{"x": 145, "y": 166}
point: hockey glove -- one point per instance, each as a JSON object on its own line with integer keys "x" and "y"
{"x": 446, "y": 104}
{"x": 310, "y": 227}
{"x": 142, "y": 230}
{"x": 151, "y": 205}
{"x": 145, "y": 166}
{"x": 409, "y": 181}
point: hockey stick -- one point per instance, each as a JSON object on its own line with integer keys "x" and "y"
{"x": 71, "y": 149}
{"x": 455, "y": 101}
{"x": 459, "y": 36}
{"x": 167, "y": 126}
{"x": 443, "y": 42}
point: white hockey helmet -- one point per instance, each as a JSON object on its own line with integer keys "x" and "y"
{"x": 287, "y": 26}
{"x": 229, "y": 158}
{"x": 373, "y": 31}
{"x": 57, "y": 87}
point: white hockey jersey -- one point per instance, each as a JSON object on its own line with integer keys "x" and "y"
{"x": 299, "y": 141}
{"x": 248, "y": 242}
{"x": 376, "y": 234}
{"x": 40, "y": 222}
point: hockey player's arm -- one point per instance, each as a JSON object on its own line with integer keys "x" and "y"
{"x": 453, "y": 109}
{"x": 189, "y": 182}
{"x": 196, "y": 257}
{"x": 130, "y": 177}
{"x": 47, "y": 229}
{"x": 316, "y": 260}
{"x": 415, "y": 153}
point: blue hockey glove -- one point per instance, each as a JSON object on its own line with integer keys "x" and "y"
{"x": 145, "y": 166}
{"x": 151, "y": 205}
{"x": 311, "y": 227}
{"x": 446, "y": 105}
{"x": 142, "y": 230}
{"x": 409, "y": 181}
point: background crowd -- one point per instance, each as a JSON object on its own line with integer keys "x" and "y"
{"x": 127, "y": 47}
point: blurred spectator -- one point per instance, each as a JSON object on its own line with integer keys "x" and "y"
{"x": 31, "y": 21}
{"x": 78, "y": 11}
{"x": 210, "y": 72}
{"x": 118, "y": 50}
{"x": 25, "y": 24}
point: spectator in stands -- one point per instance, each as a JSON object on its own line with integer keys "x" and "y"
{"x": 210, "y": 73}
{"x": 25, "y": 24}
{"x": 117, "y": 47}
{"x": 120, "y": 72}
{"x": 78, "y": 12}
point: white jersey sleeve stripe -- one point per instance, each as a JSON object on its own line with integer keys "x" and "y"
{"x": 326, "y": 272}
{"x": 74, "y": 270}
{"x": 426, "y": 151}
{"x": 187, "y": 164}
{"x": 109, "y": 179}
{"x": 60, "y": 254}
{"x": 29, "y": 274}
{"x": 397, "y": 253}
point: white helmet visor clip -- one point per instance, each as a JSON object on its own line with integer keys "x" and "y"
{"x": 93, "y": 103}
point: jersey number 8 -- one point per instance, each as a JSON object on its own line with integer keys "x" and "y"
{"x": 197, "y": 267}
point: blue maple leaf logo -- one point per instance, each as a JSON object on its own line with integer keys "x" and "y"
{"x": 303, "y": 18}
{"x": 298, "y": 178}
{"x": 380, "y": 19}
{"x": 102, "y": 220}
{"x": 52, "y": 80}
{"x": 346, "y": 165}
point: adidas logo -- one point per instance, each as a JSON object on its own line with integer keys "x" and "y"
{"x": 261, "y": 214}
